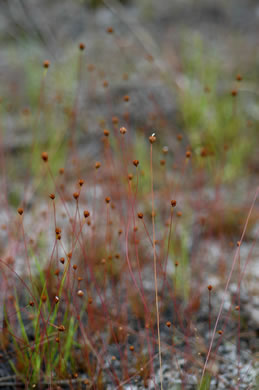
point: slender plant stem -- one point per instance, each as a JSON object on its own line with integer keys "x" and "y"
{"x": 155, "y": 270}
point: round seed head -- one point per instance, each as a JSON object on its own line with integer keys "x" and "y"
{"x": 123, "y": 130}
{"x": 80, "y": 293}
{"x": 81, "y": 182}
{"x": 109, "y": 30}
{"x": 52, "y": 196}
{"x": 152, "y": 139}
{"x": 44, "y": 156}
{"x": 81, "y": 46}
{"x": 136, "y": 162}
{"x": 46, "y": 64}
{"x": 86, "y": 213}
{"x": 76, "y": 195}
{"x": 140, "y": 215}
{"x": 20, "y": 210}
{"x": 173, "y": 203}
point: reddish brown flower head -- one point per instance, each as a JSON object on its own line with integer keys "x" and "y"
{"x": 81, "y": 182}
{"x": 62, "y": 260}
{"x": 86, "y": 213}
{"x": 173, "y": 203}
{"x": 168, "y": 324}
{"x": 61, "y": 171}
{"x": 140, "y": 215}
{"x": 152, "y": 139}
{"x": 46, "y": 64}
{"x": 136, "y": 162}
{"x": 115, "y": 120}
{"x": 52, "y": 196}
{"x": 76, "y": 195}
{"x": 179, "y": 137}
{"x": 130, "y": 176}
{"x": 239, "y": 77}
{"x": 106, "y": 132}
{"x": 188, "y": 154}
{"x": 234, "y": 92}
{"x": 209, "y": 287}
{"x": 109, "y": 30}
{"x": 44, "y": 156}
{"x": 123, "y": 130}
{"x": 97, "y": 165}
{"x": 107, "y": 199}
{"x": 81, "y": 46}
{"x": 126, "y": 98}
{"x": 20, "y": 210}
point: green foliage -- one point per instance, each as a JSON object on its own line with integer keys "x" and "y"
{"x": 212, "y": 117}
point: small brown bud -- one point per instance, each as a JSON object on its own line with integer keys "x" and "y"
{"x": 179, "y": 213}
{"x": 152, "y": 139}
{"x": 80, "y": 293}
{"x": 76, "y": 195}
{"x": 74, "y": 267}
{"x": 140, "y": 215}
{"x": 105, "y": 84}
{"x": 44, "y": 156}
{"x": 188, "y": 154}
{"x": 126, "y": 98}
{"x": 61, "y": 328}
{"x": 97, "y": 165}
{"x": 162, "y": 162}
{"x": 209, "y": 287}
{"x": 179, "y": 137}
{"x": 238, "y": 243}
{"x": 115, "y": 120}
{"x": 239, "y": 77}
{"x": 131, "y": 348}
{"x": 81, "y": 182}
{"x": 20, "y": 210}
{"x": 56, "y": 299}
{"x": 86, "y": 213}
{"x": 220, "y": 332}
{"x": 106, "y": 132}
{"x": 52, "y": 196}
{"x": 168, "y": 324}
{"x": 173, "y": 203}
{"x": 46, "y": 64}
{"x": 234, "y": 92}
{"x": 109, "y": 30}
{"x": 61, "y": 171}
{"x": 31, "y": 303}
{"x": 43, "y": 298}
{"x": 176, "y": 264}
{"x": 130, "y": 176}
{"x": 136, "y": 162}
{"x": 81, "y": 46}
{"x": 62, "y": 260}
{"x": 123, "y": 130}
{"x": 107, "y": 199}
